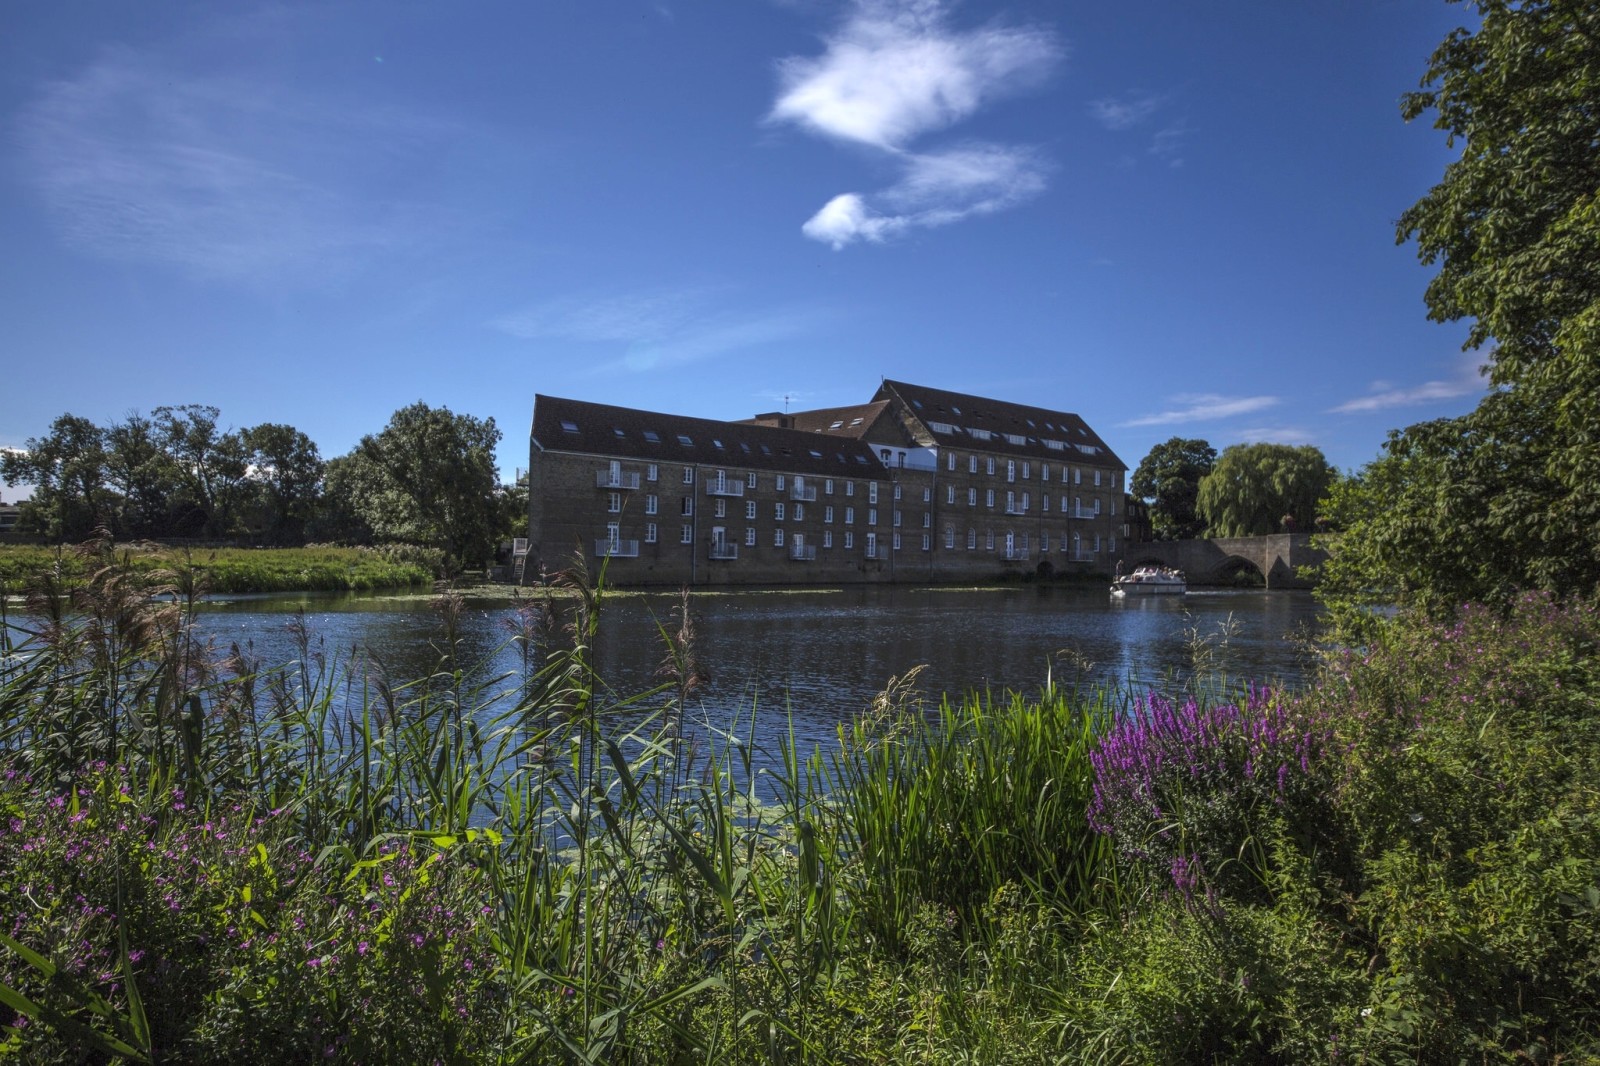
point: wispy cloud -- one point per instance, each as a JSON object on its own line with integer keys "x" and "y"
{"x": 1275, "y": 435}
{"x": 655, "y": 329}
{"x": 239, "y": 175}
{"x": 1125, "y": 111}
{"x": 1204, "y": 407}
{"x": 894, "y": 71}
{"x": 1383, "y": 395}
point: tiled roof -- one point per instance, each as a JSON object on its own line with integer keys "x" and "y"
{"x": 852, "y": 421}
{"x": 957, "y": 419}
{"x": 647, "y": 436}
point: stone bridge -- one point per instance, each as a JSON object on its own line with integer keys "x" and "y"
{"x": 1278, "y": 558}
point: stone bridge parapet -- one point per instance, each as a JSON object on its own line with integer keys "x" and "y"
{"x": 1278, "y": 556}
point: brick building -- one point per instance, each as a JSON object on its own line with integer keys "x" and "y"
{"x": 918, "y": 485}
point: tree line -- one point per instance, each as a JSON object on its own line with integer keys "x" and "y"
{"x": 1250, "y": 490}
{"x": 429, "y": 477}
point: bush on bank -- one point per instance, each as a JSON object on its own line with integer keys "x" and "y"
{"x": 1400, "y": 864}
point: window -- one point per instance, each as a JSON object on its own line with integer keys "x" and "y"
{"x": 1044, "y": 471}
{"x": 779, "y": 485}
{"x": 827, "y": 513}
{"x": 1044, "y": 543}
{"x": 949, "y": 536}
{"x": 988, "y": 498}
{"x": 949, "y": 494}
{"x": 652, "y": 472}
{"x": 1077, "y": 506}
{"x": 649, "y": 532}
{"x": 1097, "y": 542}
{"x": 614, "y": 502}
{"x": 569, "y": 426}
{"x": 849, "y": 515}
{"x": 872, "y": 545}
{"x": 777, "y": 511}
{"x": 750, "y": 510}
{"x": 927, "y": 494}
{"x": 897, "y": 490}
{"x": 897, "y": 515}
{"x": 687, "y": 536}
{"x": 1097, "y": 478}
{"x": 849, "y": 488}
{"x": 1111, "y": 544}
{"x": 1077, "y": 475}
{"x": 1025, "y": 502}
{"x": 972, "y": 497}
{"x": 688, "y": 506}
{"x": 950, "y": 463}
{"x": 652, "y": 436}
{"x": 722, "y": 508}
{"x": 1044, "y": 502}
{"x": 750, "y": 537}
{"x": 1024, "y": 470}
{"x": 1011, "y": 470}
{"x": 897, "y": 540}
{"x": 849, "y": 539}
{"x": 972, "y": 539}
{"x": 652, "y": 503}
{"x": 872, "y": 516}
{"x": 688, "y": 475}
{"x": 972, "y": 464}
{"x": 927, "y": 520}
{"x": 827, "y": 487}
{"x": 1111, "y": 506}
{"x": 777, "y": 537}
{"x": 799, "y": 512}
{"x": 988, "y": 540}
{"x": 827, "y": 538}
{"x": 1097, "y": 507}
{"x": 872, "y": 492}
{"x": 988, "y": 465}
{"x": 1011, "y": 501}
{"x": 750, "y": 480}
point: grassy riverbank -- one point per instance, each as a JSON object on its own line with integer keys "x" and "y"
{"x": 317, "y": 568}
{"x": 320, "y": 862}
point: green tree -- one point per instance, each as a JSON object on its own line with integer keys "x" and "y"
{"x": 1264, "y": 488}
{"x": 428, "y": 478}
{"x": 285, "y": 482}
{"x": 142, "y": 475}
{"x": 211, "y": 469}
{"x": 1508, "y": 496}
{"x": 1169, "y": 479}
{"x": 67, "y": 469}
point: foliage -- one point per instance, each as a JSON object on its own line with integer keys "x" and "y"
{"x": 67, "y": 469}
{"x": 427, "y": 478}
{"x": 1169, "y": 477}
{"x": 315, "y": 568}
{"x": 1263, "y": 488}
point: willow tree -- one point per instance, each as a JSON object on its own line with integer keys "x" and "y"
{"x": 1256, "y": 489}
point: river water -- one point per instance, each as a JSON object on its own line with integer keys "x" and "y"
{"x": 808, "y": 660}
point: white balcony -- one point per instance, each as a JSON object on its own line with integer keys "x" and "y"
{"x": 607, "y": 548}
{"x": 724, "y": 550}
{"x": 1084, "y": 512}
{"x": 803, "y": 553}
{"x": 1016, "y": 555}
{"x": 605, "y": 479}
{"x": 1016, "y": 508}
{"x": 803, "y": 493}
{"x": 724, "y": 487}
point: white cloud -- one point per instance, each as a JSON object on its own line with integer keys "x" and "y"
{"x": 894, "y": 71}
{"x": 1384, "y": 395}
{"x": 655, "y": 329}
{"x": 1123, "y": 113}
{"x": 1274, "y": 435}
{"x": 1204, "y": 407}
{"x": 235, "y": 175}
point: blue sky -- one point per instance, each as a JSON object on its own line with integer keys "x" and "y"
{"x": 1171, "y": 218}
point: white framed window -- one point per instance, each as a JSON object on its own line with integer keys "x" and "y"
{"x": 722, "y": 507}
{"x": 1044, "y": 543}
{"x": 988, "y": 498}
{"x": 927, "y": 494}
{"x": 827, "y": 513}
{"x": 750, "y": 480}
{"x": 972, "y": 497}
{"x": 896, "y": 522}
{"x": 927, "y": 542}
{"x": 897, "y": 540}
{"x": 614, "y": 502}
{"x": 827, "y": 486}
{"x": 1077, "y": 506}
{"x": 1011, "y": 470}
{"x": 1044, "y": 471}
{"x": 950, "y": 463}
{"x": 849, "y": 488}
{"x": 1024, "y": 469}
{"x": 750, "y": 537}
{"x": 849, "y": 539}
{"x": 988, "y": 466}
{"x": 972, "y": 539}
{"x": 872, "y": 516}
{"x": 1111, "y": 506}
{"x": 750, "y": 510}
{"x": 688, "y": 475}
{"x": 688, "y": 506}
{"x": 780, "y": 483}
{"x": 1025, "y": 502}
{"x": 972, "y": 464}
{"x": 872, "y": 545}
{"x": 652, "y": 472}
{"x": 827, "y": 538}
{"x": 1044, "y": 502}
{"x": 777, "y": 511}
{"x": 1011, "y": 500}
{"x": 927, "y": 519}
{"x": 849, "y": 516}
{"x": 649, "y": 532}
{"x": 1077, "y": 475}
{"x": 897, "y": 490}
{"x": 949, "y": 536}
{"x": 1111, "y": 543}
{"x": 1097, "y": 507}
{"x": 949, "y": 494}
{"x": 1097, "y": 479}
{"x": 652, "y": 503}
{"x": 872, "y": 492}
{"x": 988, "y": 540}
{"x": 1097, "y": 542}
{"x": 687, "y": 535}
{"x": 799, "y": 512}
{"x": 777, "y": 537}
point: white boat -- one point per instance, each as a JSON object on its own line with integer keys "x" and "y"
{"x": 1151, "y": 581}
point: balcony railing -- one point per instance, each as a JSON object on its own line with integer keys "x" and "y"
{"x": 606, "y": 548}
{"x": 803, "y": 493}
{"x": 724, "y": 550}
{"x": 803, "y": 553}
{"x": 1016, "y": 555}
{"x": 1083, "y": 555}
{"x": 871, "y": 553}
{"x": 1016, "y": 508}
{"x": 724, "y": 487}
{"x": 1084, "y": 512}
{"x": 605, "y": 479}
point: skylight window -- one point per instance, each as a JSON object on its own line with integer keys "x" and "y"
{"x": 854, "y": 422}
{"x": 619, "y": 431}
{"x": 569, "y": 426}
{"x": 652, "y": 436}
{"x": 715, "y": 443}
{"x": 685, "y": 440}
{"x": 814, "y": 453}
{"x": 837, "y": 424}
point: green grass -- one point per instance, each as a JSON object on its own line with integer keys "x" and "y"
{"x": 316, "y": 568}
